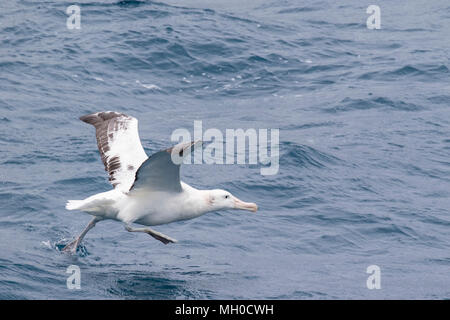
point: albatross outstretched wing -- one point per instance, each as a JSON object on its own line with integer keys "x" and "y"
{"x": 159, "y": 172}
{"x": 119, "y": 145}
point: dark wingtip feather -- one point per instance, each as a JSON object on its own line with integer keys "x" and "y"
{"x": 89, "y": 118}
{"x": 99, "y": 117}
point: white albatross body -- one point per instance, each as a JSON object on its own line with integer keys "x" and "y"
{"x": 147, "y": 190}
{"x": 149, "y": 209}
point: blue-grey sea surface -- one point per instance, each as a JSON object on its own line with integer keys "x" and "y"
{"x": 364, "y": 120}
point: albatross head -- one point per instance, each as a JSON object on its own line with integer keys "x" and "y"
{"x": 221, "y": 199}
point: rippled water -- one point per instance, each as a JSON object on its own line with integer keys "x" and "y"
{"x": 364, "y": 146}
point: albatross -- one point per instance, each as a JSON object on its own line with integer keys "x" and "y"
{"x": 146, "y": 190}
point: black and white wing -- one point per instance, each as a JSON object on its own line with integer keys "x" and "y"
{"x": 119, "y": 145}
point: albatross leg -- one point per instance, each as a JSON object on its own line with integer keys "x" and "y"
{"x": 72, "y": 247}
{"x": 155, "y": 234}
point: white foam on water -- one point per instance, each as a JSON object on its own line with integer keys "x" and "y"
{"x": 46, "y": 244}
{"x": 148, "y": 86}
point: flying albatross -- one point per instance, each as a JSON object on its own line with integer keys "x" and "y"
{"x": 146, "y": 190}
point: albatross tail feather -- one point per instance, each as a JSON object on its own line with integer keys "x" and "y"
{"x": 74, "y": 204}
{"x": 100, "y": 204}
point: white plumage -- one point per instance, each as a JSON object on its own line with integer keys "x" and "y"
{"x": 147, "y": 190}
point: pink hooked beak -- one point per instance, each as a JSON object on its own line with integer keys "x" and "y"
{"x": 239, "y": 204}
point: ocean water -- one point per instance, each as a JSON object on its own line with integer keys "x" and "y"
{"x": 364, "y": 120}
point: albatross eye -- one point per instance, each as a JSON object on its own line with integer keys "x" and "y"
{"x": 227, "y": 196}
